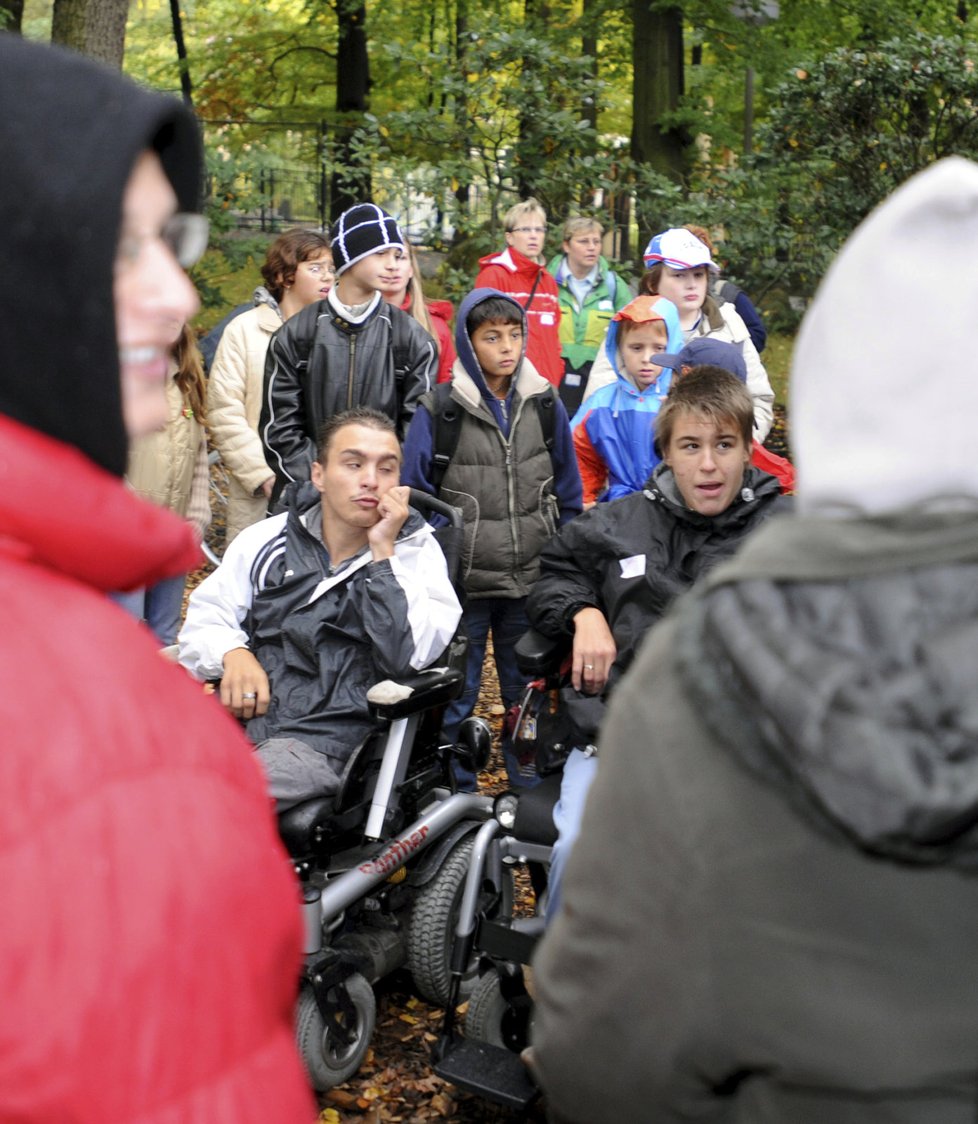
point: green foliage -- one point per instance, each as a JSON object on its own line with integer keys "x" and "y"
{"x": 863, "y": 121}
{"x": 472, "y": 106}
{"x": 506, "y": 121}
{"x": 844, "y": 130}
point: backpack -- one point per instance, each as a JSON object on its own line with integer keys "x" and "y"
{"x": 728, "y": 292}
{"x": 446, "y": 420}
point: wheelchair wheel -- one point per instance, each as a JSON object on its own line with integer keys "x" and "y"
{"x": 333, "y": 1053}
{"x": 431, "y": 930}
{"x": 491, "y": 1019}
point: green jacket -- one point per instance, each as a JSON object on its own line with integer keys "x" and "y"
{"x": 582, "y": 330}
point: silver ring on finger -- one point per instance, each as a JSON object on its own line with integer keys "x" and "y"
{"x": 587, "y": 667}
{"x": 250, "y": 695}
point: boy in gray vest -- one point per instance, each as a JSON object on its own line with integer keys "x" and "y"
{"x": 496, "y": 443}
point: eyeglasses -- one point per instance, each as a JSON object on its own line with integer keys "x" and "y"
{"x": 318, "y": 268}
{"x": 184, "y": 235}
{"x": 529, "y": 230}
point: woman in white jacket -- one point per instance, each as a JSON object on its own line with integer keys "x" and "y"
{"x": 298, "y": 270}
{"x": 679, "y": 267}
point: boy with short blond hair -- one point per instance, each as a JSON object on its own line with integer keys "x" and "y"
{"x": 590, "y": 293}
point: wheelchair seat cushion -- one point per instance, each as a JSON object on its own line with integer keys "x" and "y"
{"x": 301, "y": 826}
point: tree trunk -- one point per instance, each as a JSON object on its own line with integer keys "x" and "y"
{"x": 462, "y": 194}
{"x": 11, "y": 15}
{"x": 657, "y": 85}
{"x": 351, "y": 177}
{"x": 186, "y": 86}
{"x": 590, "y": 14}
{"x": 530, "y": 146}
{"x": 97, "y": 28}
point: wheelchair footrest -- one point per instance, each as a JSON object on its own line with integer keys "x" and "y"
{"x": 491, "y": 1072}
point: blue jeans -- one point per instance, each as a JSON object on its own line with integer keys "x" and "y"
{"x": 506, "y": 619}
{"x": 579, "y": 774}
{"x": 159, "y": 606}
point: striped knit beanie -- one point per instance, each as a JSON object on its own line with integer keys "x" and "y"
{"x": 362, "y": 230}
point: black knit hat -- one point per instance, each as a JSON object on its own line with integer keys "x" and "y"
{"x": 362, "y": 230}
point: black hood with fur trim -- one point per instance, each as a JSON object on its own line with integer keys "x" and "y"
{"x": 70, "y": 132}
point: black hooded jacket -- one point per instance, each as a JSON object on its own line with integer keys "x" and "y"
{"x": 584, "y": 565}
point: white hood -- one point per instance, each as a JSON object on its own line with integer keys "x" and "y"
{"x": 882, "y": 417}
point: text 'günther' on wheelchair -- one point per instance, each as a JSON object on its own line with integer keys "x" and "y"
{"x": 383, "y": 861}
{"x": 486, "y": 1059}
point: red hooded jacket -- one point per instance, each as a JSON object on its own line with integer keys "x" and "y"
{"x": 441, "y": 313}
{"x": 150, "y": 943}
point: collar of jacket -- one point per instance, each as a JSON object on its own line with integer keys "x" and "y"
{"x": 344, "y": 323}
{"x": 712, "y": 314}
{"x": 59, "y": 510}
{"x": 269, "y": 319}
{"x": 514, "y": 261}
{"x": 818, "y": 548}
{"x": 661, "y": 488}
{"x": 528, "y": 383}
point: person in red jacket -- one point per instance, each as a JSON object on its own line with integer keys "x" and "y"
{"x": 518, "y": 272}
{"x": 150, "y": 944}
{"x": 402, "y": 288}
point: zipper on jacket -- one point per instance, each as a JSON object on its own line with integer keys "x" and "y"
{"x": 511, "y": 488}
{"x": 351, "y": 370}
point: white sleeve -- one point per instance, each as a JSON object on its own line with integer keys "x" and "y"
{"x": 433, "y": 609}
{"x": 219, "y": 605}
{"x": 758, "y": 384}
{"x": 602, "y": 373}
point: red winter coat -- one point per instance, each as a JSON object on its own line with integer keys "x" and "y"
{"x": 513, "y": 273}
{"x": 149, "y": 941}
{"x": 441, "y": 313}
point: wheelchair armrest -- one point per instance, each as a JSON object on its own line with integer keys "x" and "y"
{"x": 538, "y": 655}
{"x": 428, "y": 688}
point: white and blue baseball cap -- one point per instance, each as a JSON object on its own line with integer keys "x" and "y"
{"x": 678, "y": 248}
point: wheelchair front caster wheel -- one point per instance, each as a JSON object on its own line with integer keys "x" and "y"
{"x": 333, "y": 1049}
{"x": 491, "y": 1019}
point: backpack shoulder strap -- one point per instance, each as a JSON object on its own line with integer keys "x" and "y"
{"x": 401, "y": 346}
{"x": 548, "y": 416}
{"x": 729, "y": 292}
{"x": 446, "y": 422}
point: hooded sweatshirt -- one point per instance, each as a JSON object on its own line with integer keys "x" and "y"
{"x": 795, "y": 753}
{"x": 513, "y": 492}
{"x": 614, "y": 429}
{"x": 134, "y": 823}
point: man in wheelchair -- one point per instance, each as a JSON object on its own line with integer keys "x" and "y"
{"x": 312, "y": 607}
{"x": 609, "y": 575}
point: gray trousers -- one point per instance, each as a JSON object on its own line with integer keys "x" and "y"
{"x": 296, "y": 772}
